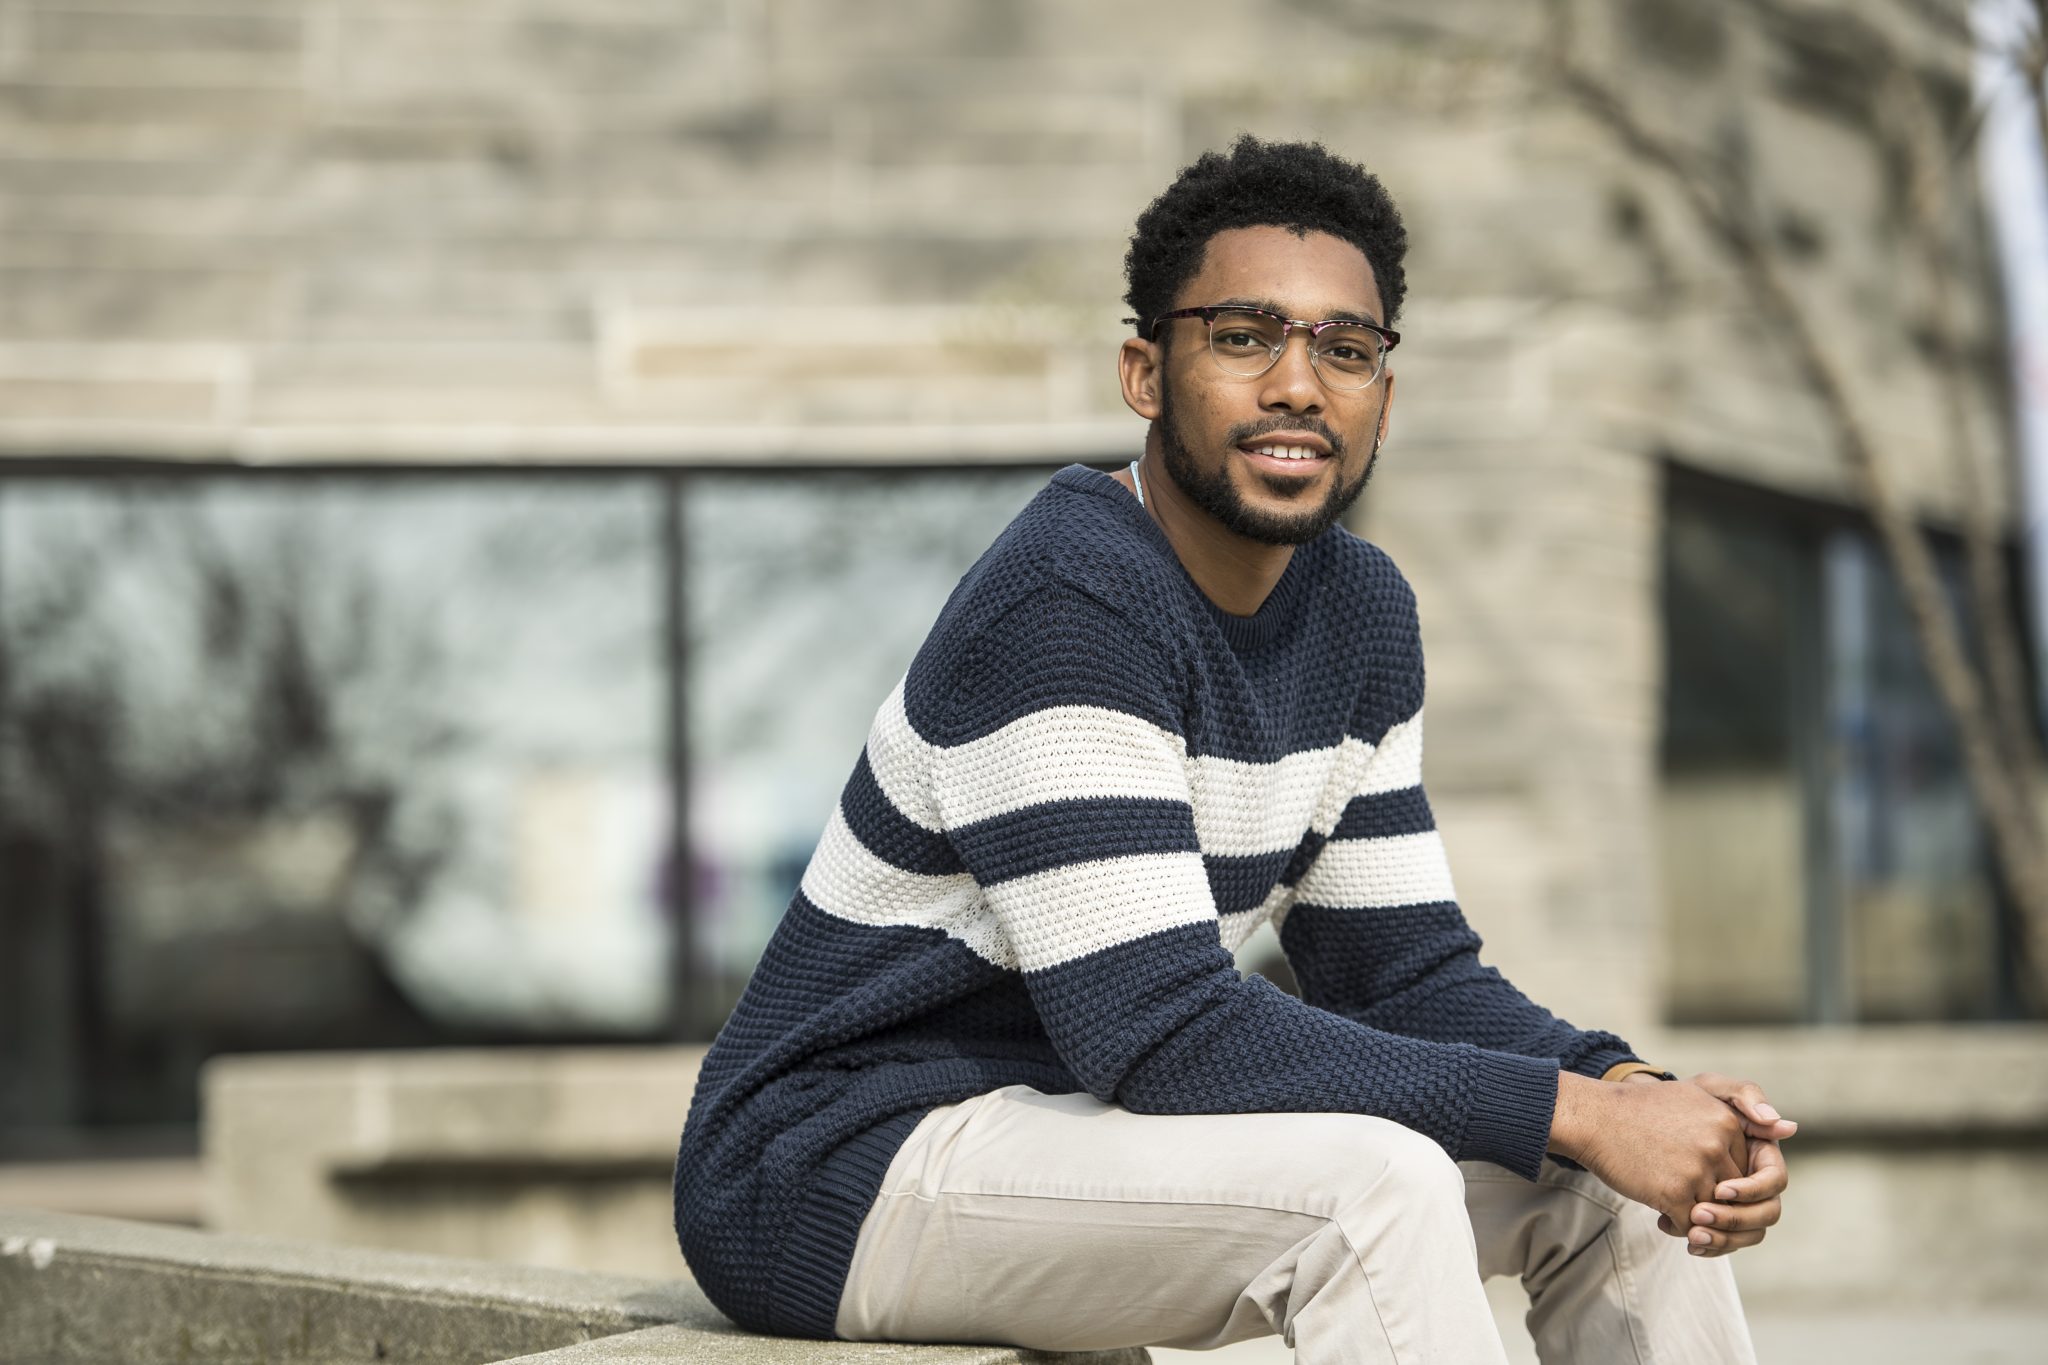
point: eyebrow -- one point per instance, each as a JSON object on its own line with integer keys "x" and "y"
{"x": 1273, "y": 306}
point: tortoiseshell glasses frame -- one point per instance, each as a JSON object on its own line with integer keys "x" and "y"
{"x": 1246, "y": 342}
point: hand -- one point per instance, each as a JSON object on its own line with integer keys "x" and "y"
{"x": 1744, "y": 1208}
{"x": 1671, "y": 1146}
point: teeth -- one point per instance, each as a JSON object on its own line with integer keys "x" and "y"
{"x": 1286, "y": 452}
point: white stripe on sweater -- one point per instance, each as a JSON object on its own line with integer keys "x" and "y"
{"x": 1062, "y": 753}
{"x": 1241, "y": 809}
{"x": 1249, "y": 808}
{"x": 1397, "y": 764}
{"x": 901, "y": 759}
{"x": 848, "y": 881}
{"x": 1374, "y": 874}
{"x": 1068, "y": 912}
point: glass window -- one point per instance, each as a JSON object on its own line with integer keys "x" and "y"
{"x": 332, "y": 761}
{"x": 1735, "y": 592}
{"x": 1816, "y": 826}
{"x": 1919, "y": 916}
{"x": 807, "y": 599}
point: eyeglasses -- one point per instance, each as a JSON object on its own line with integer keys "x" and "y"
{"x": 1347, "y": 353}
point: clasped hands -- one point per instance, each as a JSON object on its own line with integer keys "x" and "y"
{"x": 1704, "y": 1152}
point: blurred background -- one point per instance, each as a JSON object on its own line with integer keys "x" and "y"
{"x": 439, "y": 440}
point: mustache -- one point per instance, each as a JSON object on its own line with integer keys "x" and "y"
{"x": 1246, "y": 432}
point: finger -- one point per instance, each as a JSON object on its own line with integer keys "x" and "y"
{"x": 1701, "y": 1242}
{"x": 1738, "y": 1162}
{"x": 1737, "y": 1217}
{"x": 1748, "y": 1100}
{"x": 1766, "y": 1177}
{"x": 1774, "y": 1132}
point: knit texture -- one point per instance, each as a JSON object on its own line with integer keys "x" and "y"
{"x": 1088, "y": 788}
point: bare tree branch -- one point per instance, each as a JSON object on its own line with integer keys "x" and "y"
{"x": 1991, "y": 602}
{"x": 1725, "y": 210}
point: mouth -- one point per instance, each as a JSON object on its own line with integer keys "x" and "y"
{"x": 1287, "y": 453}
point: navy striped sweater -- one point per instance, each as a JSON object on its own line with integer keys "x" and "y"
{"x": 1088, "y": 788}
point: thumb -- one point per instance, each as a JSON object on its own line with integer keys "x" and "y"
{"x": 1760, "y": 1119}
{"x": 1769, "y": 1132}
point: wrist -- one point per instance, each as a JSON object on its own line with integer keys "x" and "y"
{"x": 1576, "y": 1117}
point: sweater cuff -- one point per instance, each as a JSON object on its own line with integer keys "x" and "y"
{"x": 1596, "y": 1064}
{"x": 1514, "y": 1099}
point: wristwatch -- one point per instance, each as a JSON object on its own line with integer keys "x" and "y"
{"x": 1623, "y": 1070}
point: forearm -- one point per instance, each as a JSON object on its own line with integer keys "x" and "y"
{"x": 1416, "y": 971}
{"x": 1199, "y": 1039}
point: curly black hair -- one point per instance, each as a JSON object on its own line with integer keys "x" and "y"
{"x": 1299, "y": 185}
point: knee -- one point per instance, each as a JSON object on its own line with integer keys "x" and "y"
{"x": 1385, "y": 1165}
{"x": 1419, "y": 1170}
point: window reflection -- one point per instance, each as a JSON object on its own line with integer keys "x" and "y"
{"x": 808, "y": 597}
{"x": 1816, "y": 820}
{"x": 366, "y": 758}
{"x": 336, "y": 760}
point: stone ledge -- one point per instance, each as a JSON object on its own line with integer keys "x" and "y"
{"x": 80, "y": 1289}
{"x": 1879, "y": 1085}
{"x": 536, "y": 1155}
{"x": 600, "y": 1108}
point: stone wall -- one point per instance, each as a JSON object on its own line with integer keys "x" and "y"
{"x": 503, "y": 228}
{"x": 261, "y": 230}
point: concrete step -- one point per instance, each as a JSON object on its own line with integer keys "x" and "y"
{"x": 79, "y": 1289}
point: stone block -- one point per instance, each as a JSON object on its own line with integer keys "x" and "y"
{"x": 550, "y": 1157}
{"x": 106, "y": 305}
{"x": 107, "y": 400}
{"x": 81, "y": 1291}
{"x": 218, "y": 102}
{"x": 136, "y": 385}
{"x": 218, "y": 30}
{"x": 679, "y": 57}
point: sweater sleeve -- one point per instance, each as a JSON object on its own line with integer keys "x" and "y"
{"x": 1061, "y": 778}
{"x": 1375, "y": 932}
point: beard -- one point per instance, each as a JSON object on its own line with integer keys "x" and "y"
{"x": 1215, "y": 493}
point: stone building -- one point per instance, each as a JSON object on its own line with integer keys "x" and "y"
{"x": 430, "y": 430}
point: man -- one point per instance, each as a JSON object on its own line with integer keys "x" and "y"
{"x": 997, "y": 1078}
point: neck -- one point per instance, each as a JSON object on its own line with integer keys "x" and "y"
{"x": 1235, "y": 573}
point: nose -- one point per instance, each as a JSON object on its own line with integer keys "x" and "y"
{"x": 1293, "y": 385}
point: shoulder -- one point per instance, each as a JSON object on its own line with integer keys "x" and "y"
{"x": 1371, "y": 578}
{"x": 1058, "y": 610}
{"x": 1057, "y": 644}
{"x": 1070, "y": 533}
{"x": 1378, "y": 608}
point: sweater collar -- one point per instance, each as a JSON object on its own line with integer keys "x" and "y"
{"x": 1245, "y": 634}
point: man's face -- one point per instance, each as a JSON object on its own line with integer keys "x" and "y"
{"x": 1211, "y": 423}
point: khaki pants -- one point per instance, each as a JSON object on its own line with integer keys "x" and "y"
{"x": 1062, "y": 1223}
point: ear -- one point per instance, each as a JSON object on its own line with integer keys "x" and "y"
{"x": 1386, "y": 407}
{"x": 1138, "y": 365}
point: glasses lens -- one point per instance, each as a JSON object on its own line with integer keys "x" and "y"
{"x": 1244, "y": 342}
{"x": 1349, "y": 357}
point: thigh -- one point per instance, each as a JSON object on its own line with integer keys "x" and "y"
{"x": 1059, "y": 1222}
